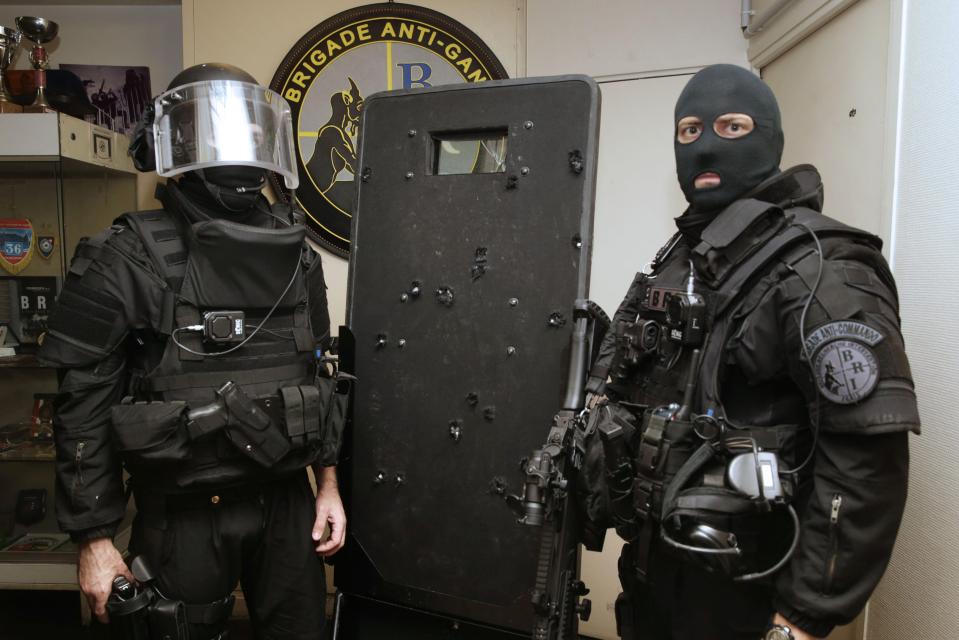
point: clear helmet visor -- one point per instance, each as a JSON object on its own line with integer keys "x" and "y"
{"x": 221, "y": 123}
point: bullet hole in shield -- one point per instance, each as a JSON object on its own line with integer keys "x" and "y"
{"x": 366, "y": 174}
{"x": 489, "y": 413}
{"x": 498, "y": 486}
{"x": 444, "y": 295}
{"x": 456, "y": 429}
{"x": 576, "y": 161}
{"x": 480, "y": 264}
{"x": 577, "y": 241}
{"x": 556, "y": 319}
{"x": 472, "y": 398}
{"x": 380, "y": 340}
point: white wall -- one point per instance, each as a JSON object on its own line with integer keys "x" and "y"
{"x": 832, "y": 93}
{"x": 631, "y": 37}
{"x": 917, "y": 598}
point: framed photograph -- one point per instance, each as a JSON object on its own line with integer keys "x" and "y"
{"x": 102, "y": 146}
{"x": 117, "y": 92}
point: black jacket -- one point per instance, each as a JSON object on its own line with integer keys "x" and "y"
{"x": 853, "y": 492}
{"x": 104, "y": 315}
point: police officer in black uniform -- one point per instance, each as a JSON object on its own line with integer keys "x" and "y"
{"x": 757, "y": 376}
{"x": 188, "y": 341}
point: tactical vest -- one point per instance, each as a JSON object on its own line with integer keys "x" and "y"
{"x": 205, "y": 414}
{"x": 667, "y": 369}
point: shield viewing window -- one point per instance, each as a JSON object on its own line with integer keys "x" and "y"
{"x": 469, "y": 152}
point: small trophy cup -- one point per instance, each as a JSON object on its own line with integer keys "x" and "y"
{"x": 39, "y": 31}
{"x": 9, "y": 41}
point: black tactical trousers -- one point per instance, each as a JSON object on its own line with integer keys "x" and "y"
{"x": 201, "y": 545}
{"x": 684, "y": 602}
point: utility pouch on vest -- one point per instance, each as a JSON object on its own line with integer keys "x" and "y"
{"x": 317, "y": 413}
{"x": 151, "y": 432}
{"x": 617, "y": 428}
{"x": 663, "y": 443}
{"x": 335, "y": 401}
{"x": 301, "y": 413}
{"x": 250, "y": 428}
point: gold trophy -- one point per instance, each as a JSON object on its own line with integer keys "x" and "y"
{"x": 9, "y": 41}
{"x": 39, "y": 31}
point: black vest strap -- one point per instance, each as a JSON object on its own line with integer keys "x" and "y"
{"x": 162, "y": 237}
{"x": 743, "y": 228}
{"x": 180, "y": 381}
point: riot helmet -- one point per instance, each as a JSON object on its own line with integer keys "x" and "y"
{"x": 215, "y": 122}
{"x": 717, "y": 159}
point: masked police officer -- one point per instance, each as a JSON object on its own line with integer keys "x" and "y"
{"x": 188, "y": 340}
{"x": 759, "y": 375}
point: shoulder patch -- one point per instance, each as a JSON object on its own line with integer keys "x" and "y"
{"x": 845, "y": 368}
{"x": 842, "y": 329}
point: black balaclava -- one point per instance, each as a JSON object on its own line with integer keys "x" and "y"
{"x": 235, "y": 188}
{"x": 741, "y": 163}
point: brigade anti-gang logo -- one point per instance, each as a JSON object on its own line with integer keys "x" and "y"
{"x": 843, "y": 362}
{"x": 327, "y": 75}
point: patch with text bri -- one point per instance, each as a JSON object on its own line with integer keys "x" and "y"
{"x": 844, "y": 365}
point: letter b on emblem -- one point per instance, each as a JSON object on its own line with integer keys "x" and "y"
{"x": 422, "y": 73}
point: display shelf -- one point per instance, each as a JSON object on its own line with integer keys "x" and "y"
{"x": 22, "y": 361}
{"x": 29, "y": 452}
{"x": 44, "y": 137}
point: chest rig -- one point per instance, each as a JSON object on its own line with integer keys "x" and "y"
{"x": 667, "y": 374}
{"x": 204, "y": 413}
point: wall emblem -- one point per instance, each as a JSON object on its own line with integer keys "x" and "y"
{"x": 327, "y": 75}
{"x": 17, "y": 243}
{"x": 45, "y": 245}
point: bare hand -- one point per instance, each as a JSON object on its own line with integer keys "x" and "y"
{"x": 98, "y": 563}
{"x": 329, "y": 509}
{"x": 798, "y": 633}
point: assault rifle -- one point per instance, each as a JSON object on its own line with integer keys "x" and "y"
{"x": 549, "y": 496}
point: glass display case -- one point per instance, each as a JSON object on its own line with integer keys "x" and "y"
{"x": 61, "y": 179}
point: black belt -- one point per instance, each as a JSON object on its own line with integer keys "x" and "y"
{"x": 156, "y": 501}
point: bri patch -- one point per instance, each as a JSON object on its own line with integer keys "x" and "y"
{"x": 844, "y": 365}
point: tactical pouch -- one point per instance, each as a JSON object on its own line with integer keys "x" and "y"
{"x": 129, "y": 619}
{"x": 617, "y": 428}
{"x": 150, "y": 432}
{"x": 334, "y": 406}
{"x": 250, "y": 428}
{"x": 301, "y": 414}
{"x": 168, "y": 619}
{"x": 662, "y": 448}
